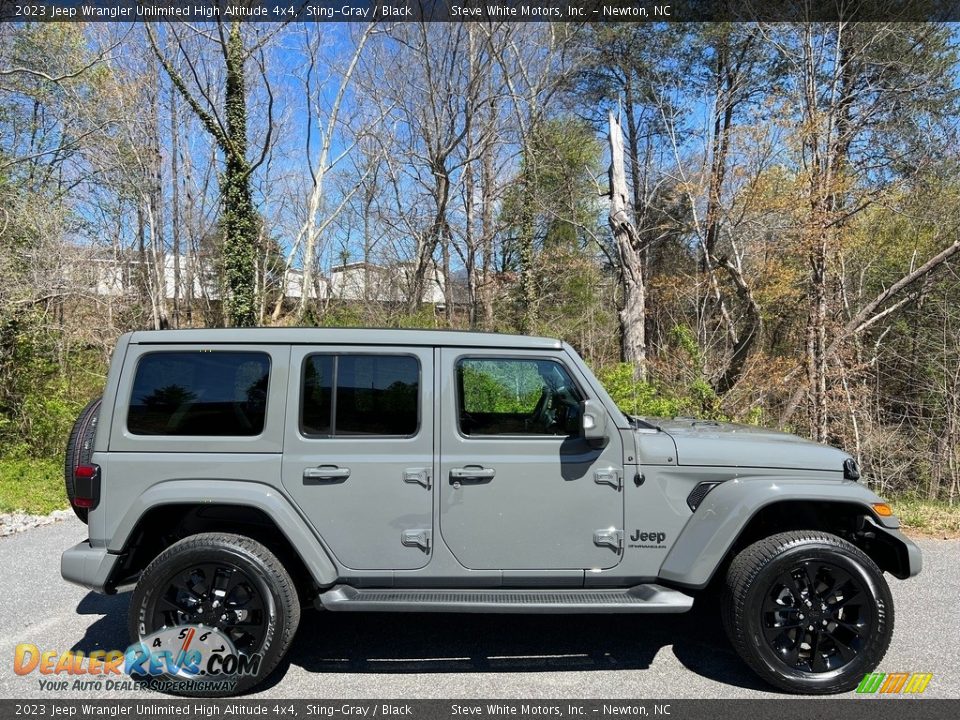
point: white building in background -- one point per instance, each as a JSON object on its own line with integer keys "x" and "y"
{"x": 116, "y": 278}
{"x": 361, "y": 281}
{"x": 110, "y": 277}
{"x": 295, "y": 286}
{"x": 119, "y": 277}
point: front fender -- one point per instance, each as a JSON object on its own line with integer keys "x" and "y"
{"x": 729, "y": 507}
{"x": 261, "y": 496}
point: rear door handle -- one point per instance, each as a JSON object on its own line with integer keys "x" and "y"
{"x": 326, "y": 473}
{"x": 471, "y": 474}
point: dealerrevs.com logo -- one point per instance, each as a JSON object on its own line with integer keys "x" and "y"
{"x": 894, "y": 683}
{"x": 186, "y": 657}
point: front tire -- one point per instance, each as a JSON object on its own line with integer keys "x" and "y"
{"x": 220, "y": 581}
{"x": 808, "y": 611}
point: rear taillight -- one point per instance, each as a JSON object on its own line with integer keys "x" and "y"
{"x": 86, "y": 486}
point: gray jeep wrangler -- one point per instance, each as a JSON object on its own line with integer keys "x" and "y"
{"x": 232, "y": 477}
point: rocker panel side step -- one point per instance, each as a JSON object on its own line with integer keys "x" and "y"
{"x": 639, "y": 599}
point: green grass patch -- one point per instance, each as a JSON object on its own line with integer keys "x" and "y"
{"x": 929, "y": 517}
{"x": 32, "y": 486}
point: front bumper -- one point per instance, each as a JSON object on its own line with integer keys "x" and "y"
{"x": 915, "y": 557}
{"x": 900, "y": 555}
{"x": 89, "y": 567}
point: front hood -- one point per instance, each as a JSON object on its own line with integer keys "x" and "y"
{"x": 708, "y": 443}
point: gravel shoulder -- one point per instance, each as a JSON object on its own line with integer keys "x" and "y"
{"x": 471, "y": 656}
{"x": 13, "y": 523}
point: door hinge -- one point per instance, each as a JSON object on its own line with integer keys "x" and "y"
{"x": 418, "y": 476}
{"x": 416, "y": 538}
{"x": 611, "y": 537}
{"x": 609, "y": 476}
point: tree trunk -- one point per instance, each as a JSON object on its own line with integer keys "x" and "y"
{"x": 632, "y": 319}
{"x": 632, "y": 313}
{"x": 367, "y": 241}
{"x": 736, "y": 358}
{"x": 175, "y": 203}
{"x": 190, "y": 253}
{"x": 470, "y": 242}
{"x": 720, "y": 142}
{"x": 439, "y": 231}
{"x": 157, "y": 242}
{"x": 447, "y": 285}
{"x": 239, "y": 215}
{"x": 527, "y": 320}
{"x": 487, "y": 230}
{"x": 639, "y": 190}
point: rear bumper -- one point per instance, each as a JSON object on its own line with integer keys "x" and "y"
{"x": 89, "y": 567}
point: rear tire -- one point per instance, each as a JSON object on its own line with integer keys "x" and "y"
{"x": 259, "y": 587}
{"x": 80, "y": 449}
{"x": 808, "y": 611}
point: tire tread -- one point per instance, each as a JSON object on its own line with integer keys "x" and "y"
{"x": 743, "y": 573}
{"x": 276, "y": 574}
{"x": 80, "y": 448}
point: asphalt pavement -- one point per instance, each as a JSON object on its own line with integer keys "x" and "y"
{"x": 407, "y": 656}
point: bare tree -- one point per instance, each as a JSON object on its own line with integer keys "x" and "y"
{"x": 632, "y": 313}
{"x": 314, "y": 225}
{"x": 849, "y": 80}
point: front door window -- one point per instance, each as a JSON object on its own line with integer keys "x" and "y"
{"x": 509, "y": 396}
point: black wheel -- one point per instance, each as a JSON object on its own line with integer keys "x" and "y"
{"x": 808, "y": 612}
{"x": 225, "y": 583}
{"x": 80, "y": 448}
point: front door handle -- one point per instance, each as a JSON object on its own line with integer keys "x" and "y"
{"x": 471, "y": 474}
{"x": 325, "y": 473}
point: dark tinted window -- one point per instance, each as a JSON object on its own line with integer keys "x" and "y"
{"x": 200, "y": 393}
{"x": 316, "y": 408}
{"x": 508, "y": 396}
{"x": 376, "y": 395}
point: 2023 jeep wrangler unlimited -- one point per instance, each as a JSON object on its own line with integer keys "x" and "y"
{"x": 234, "y": 476}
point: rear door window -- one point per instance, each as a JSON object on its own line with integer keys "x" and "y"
{"x": 200, "y": 393}
{"x": 360, "y": 395}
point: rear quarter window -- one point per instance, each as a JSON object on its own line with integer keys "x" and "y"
{"x": 200, "y": 393}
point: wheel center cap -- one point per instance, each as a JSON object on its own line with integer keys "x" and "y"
{"x": 207, "y": 615}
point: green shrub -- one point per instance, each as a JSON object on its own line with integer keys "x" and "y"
{"x": 44, "y": 383}
{"x": 31, "y": 485}
{"x": 638, "y": 398}
{"x": 48, "y": 416}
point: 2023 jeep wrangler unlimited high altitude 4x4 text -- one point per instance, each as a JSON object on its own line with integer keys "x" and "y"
{"x": 234, "y": 476}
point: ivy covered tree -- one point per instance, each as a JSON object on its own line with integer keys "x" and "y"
{"x": 552, "y": 212}
{"x": 228, "y": 127}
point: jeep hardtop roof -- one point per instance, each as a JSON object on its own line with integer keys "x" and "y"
{"x": 343, "y": 336}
